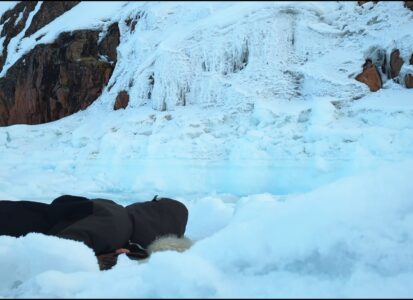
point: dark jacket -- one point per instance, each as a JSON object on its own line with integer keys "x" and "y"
{"x": 157, "y": 218}
{"x": 106, "y": 229}
{"x": 101, "y": 224}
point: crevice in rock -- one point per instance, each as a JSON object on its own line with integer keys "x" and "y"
{"x": 240, "y": 62}
{"x": 151, "y": 81}
{"x": 132, "y": 21}
{"x": 111, "y": 38}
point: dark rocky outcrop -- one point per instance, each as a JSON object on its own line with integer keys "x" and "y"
{"x": 408, "y": 80}
{"x": 370, "y": 76}
{"x": 391, "y": 70}
{"x": 112, "y": 38}
{"x": 396, "y": 63}
{"x": 58, "y": 79}
{"x": 409, "y": 4}
{"x": 131, "y": 22}
{"x": 47, "y": 13}
{"x": 122, "y": 100}
{"x": 362, "y": 2}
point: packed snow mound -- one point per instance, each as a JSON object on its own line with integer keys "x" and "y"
{"x": 351, "y": 238}
{"x": 26, "y": 257}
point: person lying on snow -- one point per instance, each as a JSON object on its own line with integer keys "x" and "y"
{"x": 105, "y": 226}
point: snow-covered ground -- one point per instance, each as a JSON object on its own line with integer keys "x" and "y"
{"x": 296, "y": 176}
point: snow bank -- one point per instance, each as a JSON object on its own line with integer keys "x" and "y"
{"x": 23, "y": 258}
{"x": 351, "y": 238}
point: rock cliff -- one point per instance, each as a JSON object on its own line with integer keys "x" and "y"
{"x": 57, "y": 79}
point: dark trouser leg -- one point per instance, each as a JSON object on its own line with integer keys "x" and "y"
{"x": 18, "y": 218}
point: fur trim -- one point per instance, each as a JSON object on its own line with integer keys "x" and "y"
{"x": 170, "y": 242}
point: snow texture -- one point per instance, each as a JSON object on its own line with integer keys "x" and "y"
{"x": 295, "y": 175}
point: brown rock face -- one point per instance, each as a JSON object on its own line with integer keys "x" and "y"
{"x": 408, "y": 80}
{"x": 47, "y": 13}
{"x": 55, "y": 80}
{"x": 112, "y": 38}
{"x": 122, "y": 100}
{"x": 409, "y": 4}
{"x": 370, "y": 76}
{"x": 362, "y": 2}
{"x": 396, "y": 63}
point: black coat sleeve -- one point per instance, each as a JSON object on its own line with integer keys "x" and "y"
{"x": 66, "y": 199}
{"x": 18, "y": 218}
